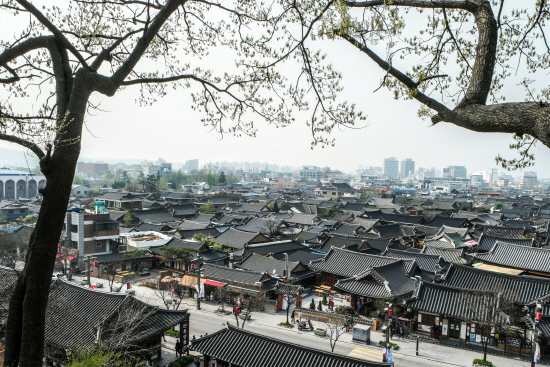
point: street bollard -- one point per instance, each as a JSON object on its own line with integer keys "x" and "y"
{"x": 417, "y": 339}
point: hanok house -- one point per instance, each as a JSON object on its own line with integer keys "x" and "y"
{"x": 516, "y": 259}
{"x": 444, "y": 304}
{"x": 342, "y": 264}
{"x": 242, "y": 348}
{"x": 208, "y": 255}
{"x": 234, "y": 281}
{"x": 235, "y": 239}
{"x": 79, "y": 319}
{"x": 278, "y": 268}
{"x": 371, "y": 289}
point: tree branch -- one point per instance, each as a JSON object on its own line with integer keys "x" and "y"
{"x": 408, "y": 82}
{"x": 27, "y": 144}
{"x": 465, "y": 5}
{"x": 56, "y": 32}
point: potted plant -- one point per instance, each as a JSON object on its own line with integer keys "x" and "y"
{"x": 320, "y": 332}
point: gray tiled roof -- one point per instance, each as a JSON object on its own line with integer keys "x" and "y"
{"x": 425, "y": 262}
{"x": 386, "y": 281}
{"x": 339, "y": 242}
{"x": 452, "y": 302}
{"x": 235, "y": 238}
{"x": 247, "y": 349}
{"x": 234, "y": 275}
{"x": 350, "y": 263}
{"x": 305, "y": 219}
{"x": 523, "y": 288}
{"x": 261, "y": 263}
{"x": 83, "y": 310}
{"x": 160, "y": 215}
{"x": 486, "y": 242}
{"x": 453, "y": 256}
{"x": 504, "y": 232}
{"x": 440, "y": 221}
{"x": 278, "y": 247}
{"x": 517, "y": 256}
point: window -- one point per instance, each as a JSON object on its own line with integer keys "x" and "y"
{"x": 74, "y": 244}
{"x": 74, "y": 228}
{"x": 105, "y": 226}
{"x": 78, "y": 192}
{"x": 10, "y": 211}
{"x": 98, "y": 244}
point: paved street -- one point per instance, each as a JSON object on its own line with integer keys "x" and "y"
{"x": 207, "y": 321}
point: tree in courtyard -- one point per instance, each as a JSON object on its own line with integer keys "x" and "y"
{"x": 207, "y": 208}
{"x": 221, "y": 179}
{"x": 271, "y": 227}
{"x": 285, "y": 206}
{"x": 498, "y": 205}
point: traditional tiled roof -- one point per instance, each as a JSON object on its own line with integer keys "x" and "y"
{"x": 426, "y": 230}
{"x": 356, "y": 207}
{"x": 339, "y": 242}
{"x": 350, "y": 263}
{"x": 432, "y": 263}
{"x": 273, "y": 267}
{"x": 453, "y": 256}
{"x": 347, "y": 229}
{"x": 234, "y": 275}
{"x": 486, "y": 242}
{"x": 235, "y": 238}
{"x": 380, "y": 245}
{"x": 160, "y": 215}
{"x": 402, "y": 218}
{"x": 304, "y": 256}
{"x": 517, "y": 256}
{"x": 74, "y": 315}
{"x": 523, "y": 288}
{"x": 463, "y": 232}
{"x": 8, "y": 277}
{"x": 260, "y": 225}
{"x": 440, "y": 221}
{"x": 386, "y": 281}
{"x": 390, "y": 230}
{"x": 365, "y": 222}
{"x": 271, "y": 248}
{"x": 505, "y": 232}
{"x": 247, "y": 349}
{"x": 208, "y": 232}
{"x": 183, "y": 210}
{"x": 190, "y": 225}
{"x": 453, "y": 302}
{"x": 203, "y": 217}
{"x": 304, "y": 219}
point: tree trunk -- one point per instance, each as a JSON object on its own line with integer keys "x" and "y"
{"x": 27, "y": 311}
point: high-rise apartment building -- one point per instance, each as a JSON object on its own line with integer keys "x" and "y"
{"x": 455, "y": 172}
{"x": 391, "y": 167}
{"x": 407, "y": 168}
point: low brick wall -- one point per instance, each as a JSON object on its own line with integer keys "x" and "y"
{"x": 330, "y": 316}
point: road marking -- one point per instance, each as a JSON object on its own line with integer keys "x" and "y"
{"x": 366, "y": 353}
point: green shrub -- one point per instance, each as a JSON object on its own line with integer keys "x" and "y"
{"x": 383, "y": 344}
{"x": 320, "y": 306}
{"x": 176, "y": 364}
{"x": 173, "y": 332}
{"x": 483, "y": 363}
{"x": 286, "y": 324}
{"x": 312, "y": 305}
{"x": 325, "y": 299}
{"x": 186, "y": 360}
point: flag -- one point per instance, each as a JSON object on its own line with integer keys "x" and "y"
{"x": 389, "y": 357}
{"x": 537, "y": 352}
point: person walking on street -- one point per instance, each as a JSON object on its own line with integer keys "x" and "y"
{"x": 402, "y": 332}
{"x": 178, "y": 348}
{"x": 173, "y": 304}
{"x": 163, "y": 336}
{"x": 128, "y": 285}
{"x": 197, "y": 362}
{"x": 292, "y": 316}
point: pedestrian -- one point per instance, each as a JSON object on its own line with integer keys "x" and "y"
{"x": 163, "y": 336}
{"x": 402, "y": 332}
{"x": 205, "y": 334}
{"x": 200, "y": 336}
{"x": 127, "y": 285}
{"x": 178, "y": 348}
{"x": 292, "y": 316}
{"x": 194, "y": 337}
{"x": 197, "y": 362}
{"x": 173, "y": 304}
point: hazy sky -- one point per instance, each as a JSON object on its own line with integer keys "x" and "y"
{"x": 171, "y": 130}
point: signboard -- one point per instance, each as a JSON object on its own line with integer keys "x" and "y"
{"x": 513, "y": 342}
{"x": 463, "y": 331}
{"x": 444, "y": 327}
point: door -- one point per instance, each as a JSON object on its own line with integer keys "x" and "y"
{"x": 454, "y": 329}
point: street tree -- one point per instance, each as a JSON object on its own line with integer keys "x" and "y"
{"x": 221, "y": 179}
{"x": 58, "y": 59}
{"x": 335, "y": 327}
{"x": 459, "y": 60}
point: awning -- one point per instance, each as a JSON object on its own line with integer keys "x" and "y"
{"x": 241, "y": 290}
{"x": 190, "y": 281}
{"x": 214, "y": 284}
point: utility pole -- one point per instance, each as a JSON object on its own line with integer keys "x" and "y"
{"x": 199, "y": 282}
{"x": 89, "y": 268}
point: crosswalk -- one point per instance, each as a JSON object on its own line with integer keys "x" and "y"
{"x": 366, "y": 353}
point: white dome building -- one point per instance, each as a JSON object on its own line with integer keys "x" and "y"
{"x": 15, "y": 184}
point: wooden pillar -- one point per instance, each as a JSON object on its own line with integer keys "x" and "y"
{"x": 353, "y": 302}
{"x": 206, "y": 360}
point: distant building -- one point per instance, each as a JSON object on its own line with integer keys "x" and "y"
{"x": 455, "y": 172}
{"x": 312, "y": 173}
{"x": 159, "y": 167}
{"x": 15, "y": 184}
{"x": 407, "y": 168}
{"x": 391, "y": 167}
{"x": 97, "y": 168}
{"x": 80, "y": 191}
{"x": 191, "y": 165}
{"x": 528, "y": 179}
